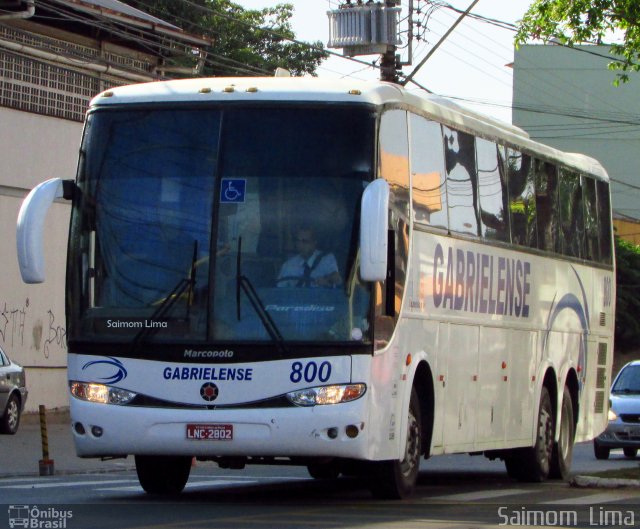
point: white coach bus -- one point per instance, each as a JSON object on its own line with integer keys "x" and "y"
{"x": 458, "y": 294}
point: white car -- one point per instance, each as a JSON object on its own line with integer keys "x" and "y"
{"x": 623, "y": 430}
{"x": 13, "y": 394}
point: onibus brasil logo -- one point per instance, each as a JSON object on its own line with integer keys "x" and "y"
{"x": 38, "y": 517}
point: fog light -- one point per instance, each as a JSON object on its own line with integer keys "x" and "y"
{"x": 96, "y": 431}
{"x": 332, "y": 433}
{"x": 352, "y": 431}
{"x": 79, "y": 428}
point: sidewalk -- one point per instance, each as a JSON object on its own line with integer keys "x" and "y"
{"x": 20, "y": 453}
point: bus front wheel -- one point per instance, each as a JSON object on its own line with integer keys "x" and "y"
{"x": 163, "y": 474}
{"x": 397, "y": 479}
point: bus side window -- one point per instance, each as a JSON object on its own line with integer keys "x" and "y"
{"x": 547, "y": 206}
{"x": 604, "y": 220}
{"x": 571, "y": 214}
{"x": 492, "y": 186}
{"x": 522, "y": 198}
{"x": 591, "y": 229}
{"x": 462, "y": 182}
{"x": 428, "y": 173}
{"x": 394, "y": 168}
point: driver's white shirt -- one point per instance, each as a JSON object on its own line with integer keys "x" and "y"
{"x": 294, "y": 268}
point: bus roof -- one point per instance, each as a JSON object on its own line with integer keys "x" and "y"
{"x": 311, "y": 89}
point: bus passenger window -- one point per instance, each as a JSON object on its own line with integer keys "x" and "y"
{"x": 604, "y": 220}
{"x": 571, "y": 214}
{"x": 591, "y": 229}
{"x": 394, "y": 168}
{"x": 428, "y": 173}
{"x": 462, "y": 181}
{"x": 522, "y": 199}
{"x": 492, "y": 186}
{"x": 547, "y": 206}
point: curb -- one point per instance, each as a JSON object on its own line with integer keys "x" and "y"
{"x": 603, "y": 483}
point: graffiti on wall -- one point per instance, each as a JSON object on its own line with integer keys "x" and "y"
{"x": 14, "y": 320}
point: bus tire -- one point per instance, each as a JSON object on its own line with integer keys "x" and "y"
{"x": 394, "y": 480}
{"x": 163, "y": 474}
{"x": 533, "y": 464}
{"x": 601, "y": 452}
{"x": 563, "y": 449}
{"x": 326, "y": 470}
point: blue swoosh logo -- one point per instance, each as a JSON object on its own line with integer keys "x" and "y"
{"x": 120, "y": 374}
{"x": 581, "y": 309}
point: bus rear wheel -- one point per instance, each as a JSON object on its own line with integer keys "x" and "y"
{"x": 163, "y": 474}
{"x": 534, "y": 464}
{"x": 397, "y": 479}
{"x": 563, "y": 449}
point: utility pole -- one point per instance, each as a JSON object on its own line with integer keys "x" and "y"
{"x": 389, "y": 66}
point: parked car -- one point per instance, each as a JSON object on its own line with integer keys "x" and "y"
{"x": 623, "y": 430}
{"x": 13, "y": 394}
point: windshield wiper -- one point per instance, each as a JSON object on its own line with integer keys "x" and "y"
{"x": 243, "y": 284}
{"x": 186, "y": 283}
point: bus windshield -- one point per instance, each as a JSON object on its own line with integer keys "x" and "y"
{"x": 211, "y": 224}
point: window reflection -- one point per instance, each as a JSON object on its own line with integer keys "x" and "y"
{"x": 547, "y": 206}
{"x": 591, "y": 229}
{"x": 571, "y": 213}
{"x": 462, "y": 184}
{"x": 604, "y": 209}
{"x": 522, "y": 199}
{"x": 428, "y": 173}
{"x": 493, "y": 190}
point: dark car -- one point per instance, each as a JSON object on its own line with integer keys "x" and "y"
{"x": 13, "y": 394}
{"x": 623, "y": 430}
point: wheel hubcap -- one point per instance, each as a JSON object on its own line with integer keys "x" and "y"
{"x": 12, "y": 415}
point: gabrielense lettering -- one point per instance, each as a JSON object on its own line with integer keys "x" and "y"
{"x": 208, "y": 373}
{"x": 479, "y": 282}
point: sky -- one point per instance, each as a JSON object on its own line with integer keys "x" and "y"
{"x": 471, "y": 65}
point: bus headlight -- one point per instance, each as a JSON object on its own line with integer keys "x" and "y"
{"x": 327, "y": 395}
{"x": 101, "y": 393}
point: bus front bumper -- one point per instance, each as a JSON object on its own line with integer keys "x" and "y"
{"x": 338, "y": 430}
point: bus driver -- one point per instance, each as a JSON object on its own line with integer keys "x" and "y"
{"x": 309, "y": 267}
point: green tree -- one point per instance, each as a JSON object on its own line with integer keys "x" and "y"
{"x": 587, "y": 21}
{"x": 245, "y": 41}
{"x": 628, "y": 294}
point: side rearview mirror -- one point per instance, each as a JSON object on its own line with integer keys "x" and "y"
{"x": 30, "y": 227}
{"x": 374, "y": 225}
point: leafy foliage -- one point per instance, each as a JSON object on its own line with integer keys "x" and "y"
{"x": 628, "y": 294}
{"x": 587, "y": 21}
{"x": 245, "y": 42}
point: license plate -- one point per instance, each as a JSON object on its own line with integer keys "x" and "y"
{"x": 210, "y": 432}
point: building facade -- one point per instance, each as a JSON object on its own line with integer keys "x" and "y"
{"x": 565, "y": 97}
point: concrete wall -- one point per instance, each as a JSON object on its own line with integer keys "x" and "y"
{"x": 34, "y": 148}
{"x": 566, "y": 98}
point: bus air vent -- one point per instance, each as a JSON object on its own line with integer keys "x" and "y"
{"x": 603, "y": 319}
{"x": 602, "y": 354}
{"x": 598, "y": 405}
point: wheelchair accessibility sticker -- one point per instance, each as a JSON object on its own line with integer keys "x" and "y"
{"x": 232, "y": 190}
